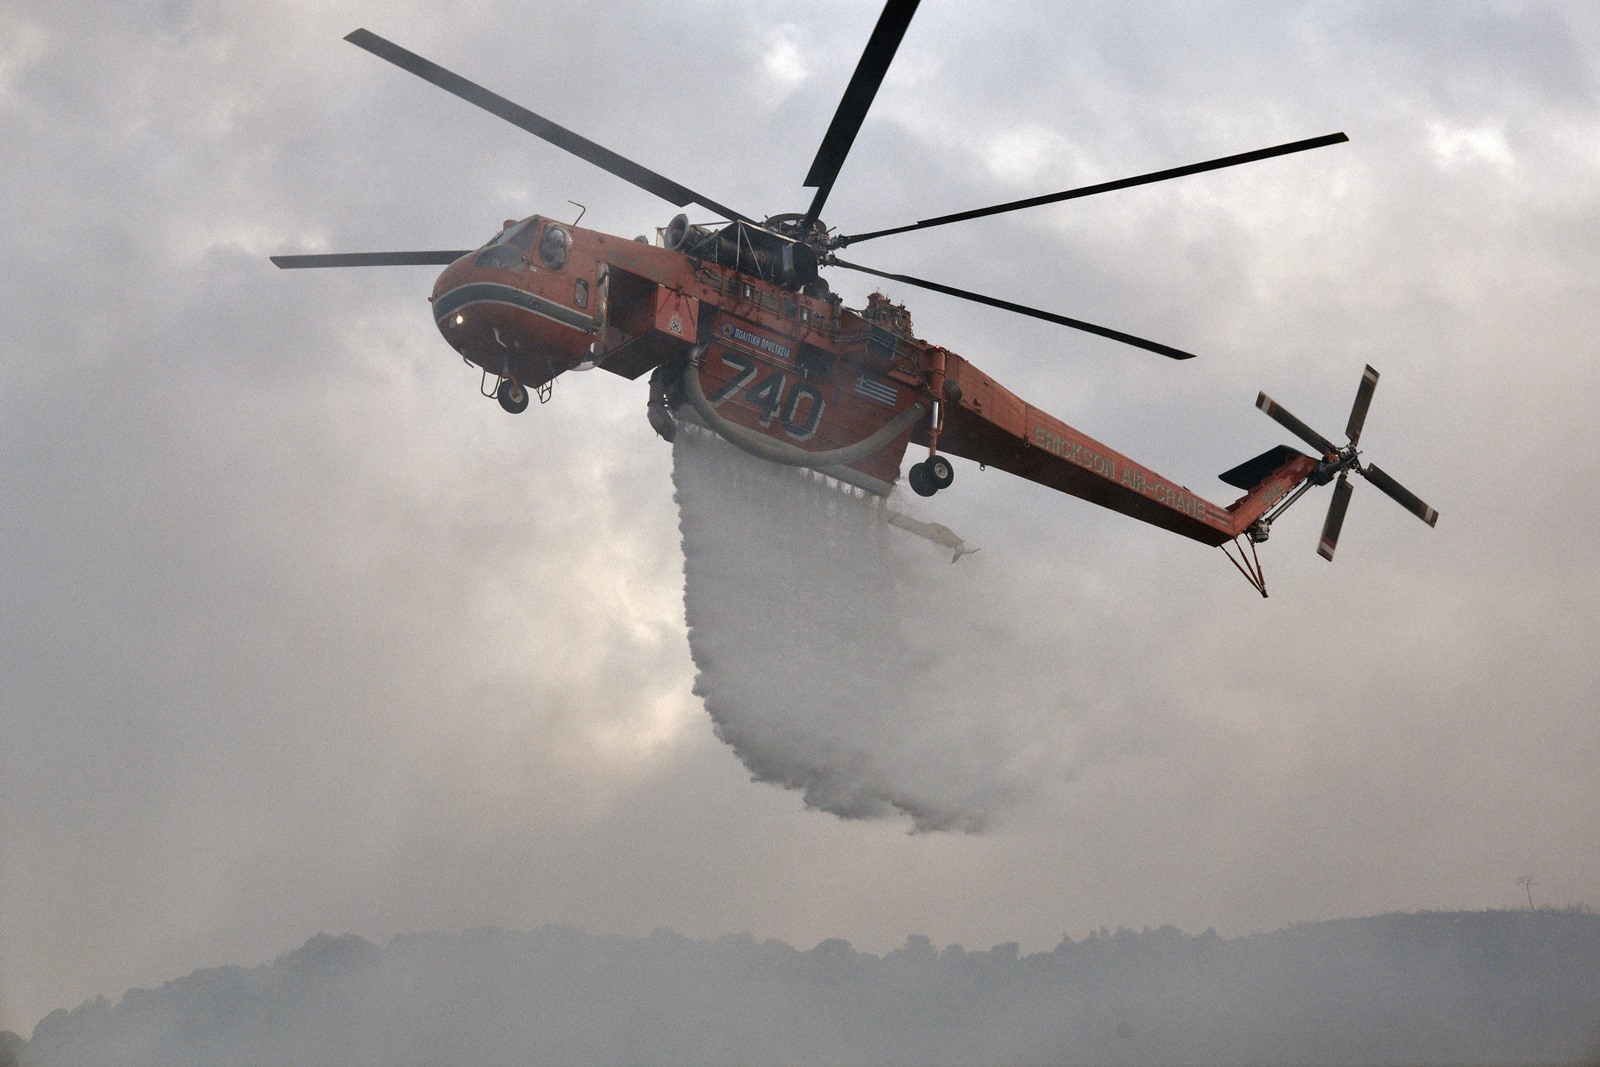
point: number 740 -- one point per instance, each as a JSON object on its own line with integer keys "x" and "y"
{"x": 797, "y": 409}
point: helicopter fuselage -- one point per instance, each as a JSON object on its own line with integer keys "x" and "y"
{"x": 789, "y": 374}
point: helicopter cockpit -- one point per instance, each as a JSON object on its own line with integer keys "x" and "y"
{"x": 514, "y": 247}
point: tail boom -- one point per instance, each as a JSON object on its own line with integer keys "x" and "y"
{"x": 988, "y": 424}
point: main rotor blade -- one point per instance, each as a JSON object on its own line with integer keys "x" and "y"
{"x": 853, "y": 107}
{"x": 1281, "y": 415}
{"x": 1336, "y": 509}
{"x": 1401, "y": 495}
{"x": 1103, "y": 187}
{"x": 1358, "y": 411}
{"x": 371, "y": 259}
{"x": 540, "y": 127}
{"x": 1006, "y": 305}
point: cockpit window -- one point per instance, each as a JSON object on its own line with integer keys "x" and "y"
{"x": 515, "y": 230}
{"x": 522, "y": 236}
{"x": 553, "y": 248}
{"x": 501, "y": 257}
{"x": 510, "y": 248}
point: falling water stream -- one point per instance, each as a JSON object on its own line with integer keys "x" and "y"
{"x": 809, "y": 623}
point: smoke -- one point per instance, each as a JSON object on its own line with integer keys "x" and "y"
{"x": 846, "y": 658}
{"x": 1503, "y": 987}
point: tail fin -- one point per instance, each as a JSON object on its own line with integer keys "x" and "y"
{"x": 1252, "y": 472}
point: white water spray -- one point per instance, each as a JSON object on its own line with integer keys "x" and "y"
{"x": 841, "y": 656}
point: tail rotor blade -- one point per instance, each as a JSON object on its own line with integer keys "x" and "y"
{"x": 1358, "y": 411}
{"x": 1335, "y": 520}
{"x": 1401, "y": 495}
{"x": 1278, "y": 413}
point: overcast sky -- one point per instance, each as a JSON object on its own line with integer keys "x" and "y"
{"x": 298, "y": 633}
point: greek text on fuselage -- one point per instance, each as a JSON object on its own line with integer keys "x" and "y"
{"x": 756, "y": 341}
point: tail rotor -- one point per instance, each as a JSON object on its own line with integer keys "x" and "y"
{"x": 1400, "y": 494}
{"x": 1339, "y": 462}
{"x": 1336, "y": 509}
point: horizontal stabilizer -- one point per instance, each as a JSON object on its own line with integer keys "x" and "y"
{"x": 1252, "y": 472}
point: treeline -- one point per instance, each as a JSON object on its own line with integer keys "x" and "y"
{"x": 1497, "y": 987}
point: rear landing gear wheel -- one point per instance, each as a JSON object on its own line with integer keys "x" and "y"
{"x": 940, "y": 472}
{"x": 921, "y": 481}
{"x": 512, "y": 397}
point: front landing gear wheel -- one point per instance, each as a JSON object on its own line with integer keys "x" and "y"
{"x": 921, "y": 481}
{"x": 512, "y": 397}
{"x": 940, "y": 472}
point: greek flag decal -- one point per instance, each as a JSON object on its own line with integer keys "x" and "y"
{"x": 879, "y": 392}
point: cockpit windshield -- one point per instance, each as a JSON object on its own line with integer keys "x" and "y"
{"x": 517, "y": 233}
{"x": 510, "y": 248}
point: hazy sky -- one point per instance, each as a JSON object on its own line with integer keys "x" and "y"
{"x": 298, "y": 633}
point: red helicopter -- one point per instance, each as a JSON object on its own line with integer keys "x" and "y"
{"x": 739, "y": 332}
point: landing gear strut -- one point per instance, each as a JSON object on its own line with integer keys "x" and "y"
{"x": 935, "y": 472}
